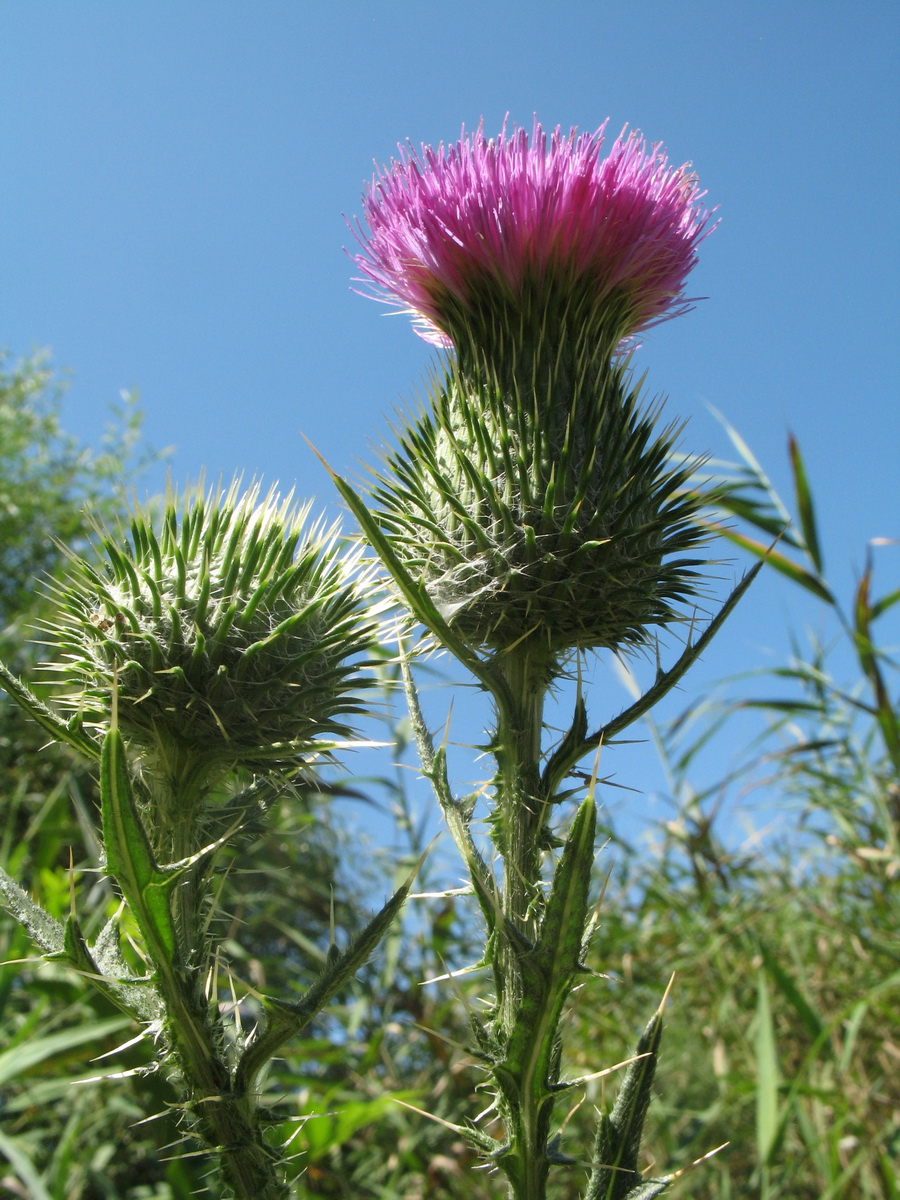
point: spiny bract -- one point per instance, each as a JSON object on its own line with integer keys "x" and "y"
{"x": 231, "y": 628}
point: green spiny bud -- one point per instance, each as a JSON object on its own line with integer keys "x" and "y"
{"x": 230, "y": 630}
{"x": 535, "y": 500}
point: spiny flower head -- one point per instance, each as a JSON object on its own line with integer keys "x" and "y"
{"x": 229, "y": 630}
{"x": 489, "y": 229}
{"x": 572, "y": 529}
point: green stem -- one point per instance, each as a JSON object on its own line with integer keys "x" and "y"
{"x": 519, "y": 835}
{"x": 227, "y": 1120}
{"x": 226, "y": 1116}
{"x": 521, "y": 812}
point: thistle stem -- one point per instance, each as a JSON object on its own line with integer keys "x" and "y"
{"x": 226, "y": 1117}
{"x": 520, "y": 1011}
{"x": 226, "y": 1120}
{"x": 518, "y": 754}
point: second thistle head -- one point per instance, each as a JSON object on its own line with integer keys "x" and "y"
{"x": 229, "y": 629}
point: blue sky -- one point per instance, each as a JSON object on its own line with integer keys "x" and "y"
{"x": 175, "y": 177}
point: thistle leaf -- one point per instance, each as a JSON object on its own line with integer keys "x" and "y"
{"x": 456, "y": 813}
{"x": 647, "y": 1190}
{"x": 286, "y": 1018}
{"x": 59, "y": 730}
{"x": 129, "y": 856}
{"x": 47, "y": 931}
{"x": 127, "y": 995}
{"x": 665, "y": 681}
{"x": 420, "y": 603}
{"x": 614, "y": 1174}
{"x": 560, "y": 760}
{"x": 565, "y": 915}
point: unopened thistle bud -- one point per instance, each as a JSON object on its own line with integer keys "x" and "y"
{"x": 229, "y": 630}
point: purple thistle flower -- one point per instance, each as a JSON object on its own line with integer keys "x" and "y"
{"x": 454, "y": 231}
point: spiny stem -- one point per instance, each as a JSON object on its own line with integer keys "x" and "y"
{"x": 519, "y": 838}
{"x": 518, "y": 754}
{"x": 226, "y": 1116}
{"x": 227, "y": 1121}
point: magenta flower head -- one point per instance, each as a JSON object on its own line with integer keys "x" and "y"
{"x": 487, "y": 228}
{"x": 536, "y": 499}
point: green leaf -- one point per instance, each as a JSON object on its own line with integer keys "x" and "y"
{"x": 416, "y": 596}
{"x": 129, "y": 856}
{"x": 456, "y": 813}
{"x": 767, "y": 1122}
{"x": 286, "y": 1019}
{"x": 780, "y": 562}
{"x": 665, "y": 680}
{"x": 58, "y": 729}
{"x": 125, "y": 993}
{"x": 563, "y": 926}
{"x": 44, "y": 929}
{"x": 886, "y": 602}
{"x": 868, "y": 658}
{"x": 789, "y": 989}
{"x": 647, "y": 1190}
{"x": 560, "y": 760}
{"x": 805, "y": 509}
{"x": 12, "y": 1149}
{"x": 614, "y": 1168}
{"x": 18, "y": 1059}
{"x": 551, "y": 966}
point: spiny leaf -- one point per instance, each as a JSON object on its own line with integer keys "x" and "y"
{"x": 560, "y": 760}
{"x": 129, "y": 856}
{"x": 130, "y": 996}
{"x": 551, "y": 965}
{"x": 647, "y": 1190}
{"x": 58, "y": 729}
{"x": 49, "y": 933}
{"x": 434, "y": 767}
{"x": 421, "y": 604}
{"x": 614, "y": 1173}
{"x": 288, "y": 1018}
{"x": 665, "y": 680}
{"x": 562, "y": 928}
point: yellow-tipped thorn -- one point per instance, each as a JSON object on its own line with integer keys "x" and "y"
{"x": 458, "y": 1129}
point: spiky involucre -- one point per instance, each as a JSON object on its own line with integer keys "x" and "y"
{"x": 231, "y": 627}
{"x": 536, "y": 500}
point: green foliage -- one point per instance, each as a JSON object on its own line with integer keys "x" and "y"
{"x": 781, "y": 1029}
{"x": 49, "y": 483}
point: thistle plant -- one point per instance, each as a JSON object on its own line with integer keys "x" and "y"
{"x": 208, "y": 663}
{"x": 533, "y": 512}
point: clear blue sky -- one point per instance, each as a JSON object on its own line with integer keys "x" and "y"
{"x": 175, "y": 174}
